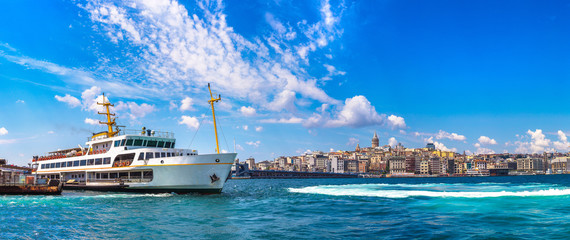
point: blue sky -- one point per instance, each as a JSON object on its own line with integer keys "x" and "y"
{"x": 295, "y": 76}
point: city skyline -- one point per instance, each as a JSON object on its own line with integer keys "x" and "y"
{"x": 479, "y": 77}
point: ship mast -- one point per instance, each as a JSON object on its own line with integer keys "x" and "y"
{"x": 110, "y": 122}
{"x": 212, "y": 101}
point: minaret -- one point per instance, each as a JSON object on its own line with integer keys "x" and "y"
{"x": 375, "y": 140}
{"x": 357, "y": 148}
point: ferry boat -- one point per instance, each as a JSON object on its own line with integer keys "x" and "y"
{"x": 136, "y": 161}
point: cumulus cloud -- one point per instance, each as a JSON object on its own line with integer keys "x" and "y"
{"x": 356, "y": 112}
{"x": 392, "y": 142}
{"x": 187, "y": 104}
{"x": 486, "y": 140}
{"x": 396, "y": 122}
{"x": 247, "y": 111}
{"x": 440, "y": 146}
{"x": 254, "y": 144}
{"x": 484, "y": 151}
{"x": 70, "y": 100}
{"x": 539, "y": 143}
{"x": 562, "y": 144}
{"x": 190, "y": 122}
{"x": 451, "y": 136}
{"x": 258, "y": 128}
{"x": 91, "y": 121}
{"x": 245, "y": 127}
{"x": 3, "y": 131}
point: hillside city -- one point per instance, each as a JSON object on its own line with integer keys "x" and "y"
{"x": 399, "y": 161}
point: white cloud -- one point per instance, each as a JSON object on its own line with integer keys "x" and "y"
{"x": 487, "y": 140}
{"x": 352, "y": 141}
{"x": 174, "y": 46}
{"x": 356, "y": 112}
{"x": 247, "y": 111}
{"x": 484, "y": 151}
{"x": 190, "y": 122}
{"x": 91, "y": 121}
{"x": 396, "y": 122}
{"x": 245, "y": 127}
{"x": 21, "y": 101}
{"x": 451, "y": 136}
{"x": 187, "y": 104}
{"x": 3, "y": 131}
{"x": 255, "y": 144}
{"x": 477, "y": 145}
{"x": 392, "y": 142}
{"x": 139, "y": 111}
{"x": 539, "y": 143}
{"x": 292, "y": 120}
{"x": 258, "y": 128}
{"x": 50, "y": 132}
{"x": 440, "y": 146}
{"x": 70, "y": 100}
{"x": 562, "y": 144}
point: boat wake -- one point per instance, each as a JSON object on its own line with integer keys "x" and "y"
{"x": 487, "y": 190}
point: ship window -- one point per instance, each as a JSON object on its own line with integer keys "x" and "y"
{"x": 162, "y": 154}
{"x": 141, "y": 156}
{"x": 43, "y": 166}
{"x": 147, "y": 175}
{"x": 160, "y": 144}
{"x": 90, "y": 162}
{"x": 129, "y": 142}
{"x": 106, "y": 160}
{"x": 138, "y": 142}
{"x": 151, "y": 143}
{"x": 156, "y": 155}
{"x": 168, "y": 154}
{"x": 173, "y": 144}
{"x": 63, "y": 164}
{"x": 123, "y": 142}
{"x": 98, "y": 161}
{"x": 112, "y": 175}
{"x": 83, "y": 163}
{"x": 149, "y": 155}
{"x": 123, "y": 175}
{"x": 144, "y": 143}
{"x": 57, "y": 165}
{"x": 135, "y": 175}
{"x": 117, "y": 143}
{"x": 76, "y": 163}
{"x": 70, "y": 164}
{"x": 52, "y": 165}
{"x": 104, "y": 175}
{"x": 167, "y": 144}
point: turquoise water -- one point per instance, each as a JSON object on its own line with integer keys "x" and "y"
{"x": 473, "y": 208}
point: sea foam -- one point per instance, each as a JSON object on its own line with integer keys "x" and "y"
{"x": 429, "y": 190}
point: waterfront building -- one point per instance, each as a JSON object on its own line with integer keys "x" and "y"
{"x": 459, "y": 167}
{"x": 559, "y": 164}
{"x": 530, "y": 164}
{"x": 410, "y": 164}
{"x": 250, "y": 163}
{"x": 450, "y": 166}
{"x": 351, "y": 165}
{"x": 424, "y": 167}
{"x": 430, "y": 146}
{"x": 434, "y": 165}
{"x": 265, "y": 165}
{"x": 337, "y": 164}
{"x": 375, "y": 140}
{"x": 397, "y": 165}
{"x": 375, "y": 163}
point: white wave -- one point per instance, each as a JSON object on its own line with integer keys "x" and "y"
{"x": 346, "y": 190}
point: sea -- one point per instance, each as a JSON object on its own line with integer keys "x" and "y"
{"x": 515, "y": 207}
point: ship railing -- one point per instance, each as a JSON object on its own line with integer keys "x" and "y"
{"x": 152, "y": 133}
